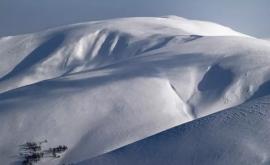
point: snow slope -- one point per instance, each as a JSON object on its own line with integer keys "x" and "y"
{"x": 237, "y": 136}
{"x": 101, "y": 85}
{"x": 56, "y": 52}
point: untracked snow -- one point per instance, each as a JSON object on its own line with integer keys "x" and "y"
{"x": 99, "y": 86}
{"x": 237, "y": 136}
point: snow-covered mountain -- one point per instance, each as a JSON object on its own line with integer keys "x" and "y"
{"x": 99, "y": 86}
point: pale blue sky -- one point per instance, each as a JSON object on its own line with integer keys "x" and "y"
{"x": 22, "y": 16}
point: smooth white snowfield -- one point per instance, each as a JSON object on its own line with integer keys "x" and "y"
{"x": 237, "y": 136}
{"x": 101, "y": 85}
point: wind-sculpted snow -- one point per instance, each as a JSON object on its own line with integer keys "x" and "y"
{"x": 53, "y": 53}
{"x": 237, "y": 136}
{"x": 101, "y": 85}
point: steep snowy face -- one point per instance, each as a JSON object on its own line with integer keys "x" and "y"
{"x": 101, "y": 85}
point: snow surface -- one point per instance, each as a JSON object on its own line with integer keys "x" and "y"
{"x": 101, "y": 85}
{"x": 237, "y": 136}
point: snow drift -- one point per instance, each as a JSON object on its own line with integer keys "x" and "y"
{"x": 101, "y": 85}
